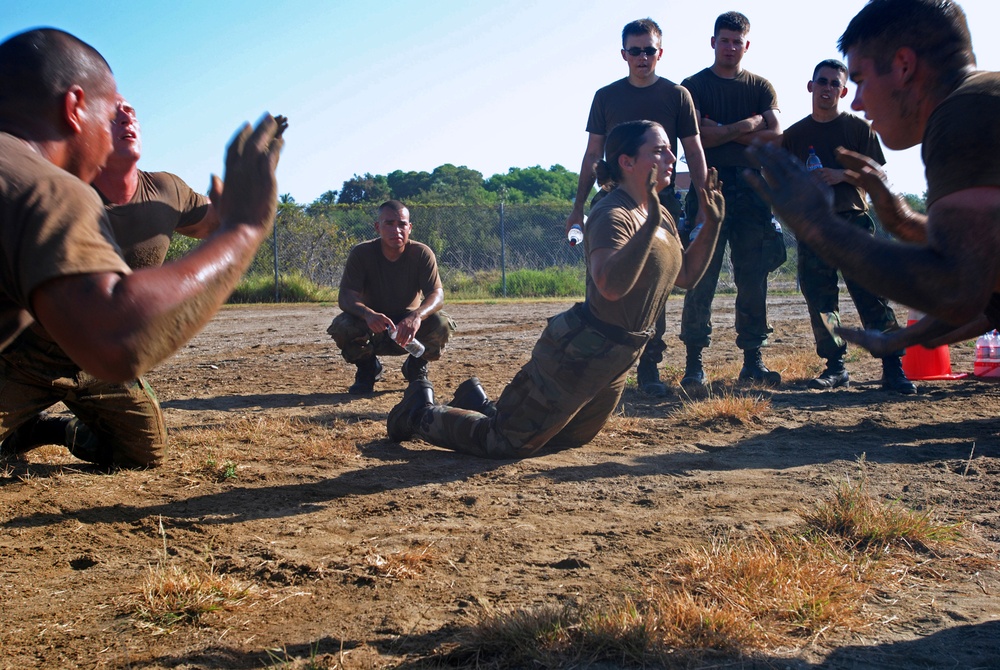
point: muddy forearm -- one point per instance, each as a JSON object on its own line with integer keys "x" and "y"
{"x": 175, "y": 301}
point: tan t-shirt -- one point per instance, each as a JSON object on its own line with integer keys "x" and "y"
{"x": 51, "y": 225}
{"x": 612, "y": 223}
{"x": 846, "y": 131}
{"x": 143, "y": 226}
{"x": 665, "y": 102}
{"x": 394, "y": 288}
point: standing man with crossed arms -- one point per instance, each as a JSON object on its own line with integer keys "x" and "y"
{"x": 735, "y": 107}
{"x": 643, "y": 95}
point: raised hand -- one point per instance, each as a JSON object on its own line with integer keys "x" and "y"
{"x": 654, "y": 217}
{"x": 282, "y": 122}
{"x": 863, "y": 172}
{"x": 712, "y": 203}
{"x": 793, "y": 194}
{"x": 251, "y": 192}
{"x": 892, "y": 211}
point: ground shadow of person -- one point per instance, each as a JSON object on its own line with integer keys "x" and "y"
{"x": 970, "y": 646}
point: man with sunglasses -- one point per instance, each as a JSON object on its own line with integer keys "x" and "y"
{"x": 825, "y": 129}
{"x": 735, "y": 107}
{"x": 643, "y": 95}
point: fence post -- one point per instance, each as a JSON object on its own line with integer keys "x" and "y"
{"x": 274, "y": 246}
{"x": 503, "y": 254}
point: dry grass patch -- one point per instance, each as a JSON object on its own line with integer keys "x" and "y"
{"x": 762, "y": 592}
{"x": 620, "y": 423}
{"x": 266, "y": 438}
{"x": 795, "y": 364}
{"x": 735, "y": 407}
{"x": 171, "y": 596}
{"x": 407, "y": 564}
{"x": 734, "y": 598}
{"x": 868, "y": 523}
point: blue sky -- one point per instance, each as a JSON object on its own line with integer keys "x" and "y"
{"x": 374, "y": 87}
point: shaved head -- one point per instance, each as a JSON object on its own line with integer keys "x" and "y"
{"x": 38, "y": 66}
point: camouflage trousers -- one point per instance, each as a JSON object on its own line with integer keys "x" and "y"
{"x": 562, "y": 397}
{"x": 818, "y": 283}
{"x": 358, "y": 344}
{"x": 753, "y": 243}
{"x": 126, "y": 418}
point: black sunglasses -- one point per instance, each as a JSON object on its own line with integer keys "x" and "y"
{"x": 635, "y": 52}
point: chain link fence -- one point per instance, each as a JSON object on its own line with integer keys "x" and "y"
{"x": 482, "y": 250}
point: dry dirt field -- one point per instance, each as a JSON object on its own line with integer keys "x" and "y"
{"x": 280, "y": 480}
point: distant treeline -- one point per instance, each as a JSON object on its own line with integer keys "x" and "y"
{"x": 459, "y": 185}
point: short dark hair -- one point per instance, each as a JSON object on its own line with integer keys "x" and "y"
{"x": 625, "y": 139}
{"x": 394, "y": 205}
{"x": 936, "y": 30}
{"x": 38, "y": 66}
{"x": 831, "y": 63}
{"x": 732, "y": 21}
{"x": 645, "y": 26}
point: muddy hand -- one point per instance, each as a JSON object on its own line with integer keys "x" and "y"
{"x": 282, "y": 122}
{"x": 710, "y": 198}
{"x": 866, "y": 174}
{"x": 251, "y": 192}
{"x": 863, "y": 172}
{"x": 792, "y": 193}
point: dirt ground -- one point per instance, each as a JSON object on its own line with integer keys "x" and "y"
{"x": 307, "y": 533}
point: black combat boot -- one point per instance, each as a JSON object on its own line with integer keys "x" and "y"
{"x": 893, "y": 377}
{"x": 694, "y": 373}
{"x": 648, "y": 379}
{"x": 471, "y": 395}
{"x": 368, "y": 372}
{"x": 405, "y": 417}
{"x": 834, "y": 376}
{"x": 35, "y": 432}
{"x": 414, "y": 369}
{"x": 755, "y": 371}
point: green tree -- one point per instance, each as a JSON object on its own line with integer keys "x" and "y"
{"x": 535, "y": 185}
{"x": 457, "y": 185}
{"x": 320, "y": 207}
{"x": 409, "y": 186}
{"x": 373, "y": 189}
{"x": 916, "y": 202}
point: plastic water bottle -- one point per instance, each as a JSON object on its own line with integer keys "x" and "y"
{"x": 575, "y": 234}
{"x": 987, "y": 355}
{"x": 414, "y": 347}
{"x": 812, "y": 161}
